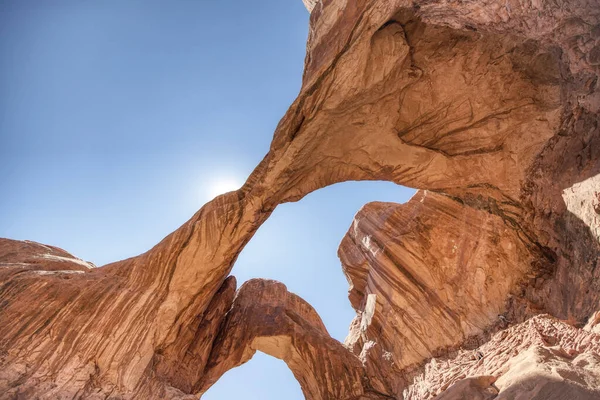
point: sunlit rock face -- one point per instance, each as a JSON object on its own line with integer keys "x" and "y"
{"x": 440, "y": 274}
{"x": 583, "y": 201}
{"x": 266, "y": 317}
{"x": 26, "y": 256}
{"x": 310, "y": 4}
{"x": 490, "y": 107}
{"x": 542, "y": 358}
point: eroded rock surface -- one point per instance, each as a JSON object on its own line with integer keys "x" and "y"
{"x": 490, "y": 106}
{"x": 310, "y": 4}
{"x": 542, "y": 358}
{"x": 425, "y": 276}
{"x": 266, "y": 317}
{"x": 25, "y": 256}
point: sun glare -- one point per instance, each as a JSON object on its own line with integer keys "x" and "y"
{"x": 223, "y": 186}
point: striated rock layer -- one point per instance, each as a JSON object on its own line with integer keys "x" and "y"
{"x": 426, "y": 276}
{"x": 542, "y": 358}
{"x": 266, "y": 317}
{"x": 490, "y": 107}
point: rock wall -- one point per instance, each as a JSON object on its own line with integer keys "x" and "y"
{"x": 425, "y": 277}
{"x": 490, "y": 107}
{"x": 542, "y": 358}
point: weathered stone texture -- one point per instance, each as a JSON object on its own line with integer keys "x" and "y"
{"x": 542, "y": 358}
{"x": 490, "y": 107}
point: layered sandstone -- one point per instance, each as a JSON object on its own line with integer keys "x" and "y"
{"x": 26, "y": 256}
{"x": 542, "y": 358}
{"x": 426, "y": 276}
{"x": 490, "y": 106}
{"x": 266, "y": 317}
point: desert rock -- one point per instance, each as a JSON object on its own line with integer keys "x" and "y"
{"x": 489, "y": 107}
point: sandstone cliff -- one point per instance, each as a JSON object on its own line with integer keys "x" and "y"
{"x": 490, "y": 107}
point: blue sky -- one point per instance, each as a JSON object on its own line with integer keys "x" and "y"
{"x": 118, "y": 120}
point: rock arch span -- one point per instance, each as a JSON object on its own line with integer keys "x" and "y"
{"x": 492, "y": 114}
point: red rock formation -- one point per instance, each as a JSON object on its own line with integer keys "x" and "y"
{"x": 266, "y": 317}
{"x": 31, "y": 256}
{"x": 542, "y": 358}
{"x": 491, "y": 106}
{"x": 426, "y": 276}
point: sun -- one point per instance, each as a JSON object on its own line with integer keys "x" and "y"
{"x": 221, "y": 186}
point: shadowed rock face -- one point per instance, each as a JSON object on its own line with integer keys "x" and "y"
{"x": 490, "y": 106}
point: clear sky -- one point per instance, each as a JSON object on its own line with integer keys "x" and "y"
{"x": 119, "y": 119}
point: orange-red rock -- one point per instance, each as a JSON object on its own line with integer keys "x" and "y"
{"x": 427, "y": 276}
{"x": 266, "y": 317}
{"x": 491, "y": 106}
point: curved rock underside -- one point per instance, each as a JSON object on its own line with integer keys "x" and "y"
{"x": 490, "y": 107}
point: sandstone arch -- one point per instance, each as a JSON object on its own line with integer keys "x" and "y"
{"x": 470, "y": 100}
{"x": 266, "y": 317}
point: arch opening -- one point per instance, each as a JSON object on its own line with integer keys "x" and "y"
{"x": 298, "y": 243}
{"x": 263, "y": 377}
